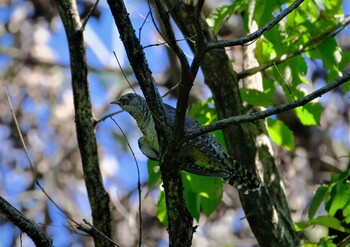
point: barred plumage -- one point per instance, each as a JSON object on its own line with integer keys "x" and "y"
{"x": 205, "y": 148}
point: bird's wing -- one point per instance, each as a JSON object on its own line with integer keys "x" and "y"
{"x": 147, "y": 150}
{"x": 207, "y": 149}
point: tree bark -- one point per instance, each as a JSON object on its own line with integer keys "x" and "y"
{"x": 24, "y": 224}
{"x": 180, "y": 221}
{"x": 85, "y": 128}
{"x": 267, "y": 211}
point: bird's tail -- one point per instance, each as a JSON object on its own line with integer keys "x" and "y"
{"x": 243, "y": 179}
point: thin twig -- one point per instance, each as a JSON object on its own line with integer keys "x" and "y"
{"x": 121, "y": 69}
{"x": 285, "y": 83}
{"x": 91, "y": 11}
{"x": 172, "y": 89}
{"x": 99, "y": 232}
{"x": 153, "y": 20}
{"x": 312, "y": 44}
{"x": 138, "y": 180}
{"x": 79, "y": 226}
{"x": 28, "y": 158}
{"x": 107, "y": 116}
{"x": 143, "y": 23}
{"x": 255, "y": 35}
{"x": 167, "y": 43}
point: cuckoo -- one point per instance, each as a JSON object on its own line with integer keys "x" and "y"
{"x": 194, "y": 153}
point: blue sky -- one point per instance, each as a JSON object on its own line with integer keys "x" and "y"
{"x": 104, "y": 33}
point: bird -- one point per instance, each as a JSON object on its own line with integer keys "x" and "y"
{"x": 204, "y": 149}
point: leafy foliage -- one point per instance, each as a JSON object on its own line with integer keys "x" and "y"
{"x": 335, "y": 200}
{"x": 280, "y": 134}
{"x": 301, "y": 30}
{"x": 161, "y": 209}
{"x": 217, "y": 18}
{"x": 308, "y": 30}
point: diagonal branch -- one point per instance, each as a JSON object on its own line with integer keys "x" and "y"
{"x": 24, "y": 224}
{"x": 269, "y": 112}
{"x": 253, "y": 36}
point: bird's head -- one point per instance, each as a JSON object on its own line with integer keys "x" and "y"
{"x": 130, "y": 102}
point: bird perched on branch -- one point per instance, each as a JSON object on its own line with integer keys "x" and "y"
{"x": 204, "y": 149}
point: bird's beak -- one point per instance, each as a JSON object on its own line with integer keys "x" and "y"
{"x": 116, "y": 102}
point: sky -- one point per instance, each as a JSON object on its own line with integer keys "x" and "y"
{"x": 102, "y": 39}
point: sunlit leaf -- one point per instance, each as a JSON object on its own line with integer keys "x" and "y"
{"x": 216, "y": 19}
{"x": 299, "y": 226}
{"x": 161, "y": 209}
{"x": 339, "y": 198}
{"x": 219, "y": 15}
{"x": 346, "y": 213}
{"x": 280, "y": 134}
{"x": 309, "y": 114}
{"x": 153, "y": 173}
{"x": 257, "y": 98}
{"x": 330, "y": 54}
{"x": 202, "y": 193}
{"x": 330, "y": 222}
{"x": 340, "y": 177}
{"x": 317, "y": 199}
{"x": 192, "y": 198}
{"x": 326, "y": 242}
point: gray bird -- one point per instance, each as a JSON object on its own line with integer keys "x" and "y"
{"x": 204, "y": 149}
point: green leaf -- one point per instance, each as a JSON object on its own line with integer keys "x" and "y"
{"x": 345, "y": 60}
{"x": 280, "y": 133}
{"x": 330, "y": 222}
{"x": 299, "y": 226}
{"x": 264, "y": 51}
{"x": 319, "y": 196}
{"x": 263, "y": 13}
{"x": 290, "y": 75}
{"x": 216, "y": 19}
{"x": 153, "y": 173}
{"x": 330, "y": 54}
{"x": 256, "y": 97}
{"x": 192, "y": 199}
{"x": 204, "y": 113}
{"x": 210, "y": 191}
{"x": 343, "y": 63}
{"x": 202, "y": 193}
{"x": 340, "y": 177}
{"x": 326, "y": 242}
{"x": 339, "y": 198}
{"x": 309, "y": 114}
{"x": 309, "y": 244}
{"x": 346, "y": 214}
{"x": 161, "y": 209}
{"x": 346, "y": 86}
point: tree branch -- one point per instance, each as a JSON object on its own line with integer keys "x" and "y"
{"x": 186, "y": 76}
{"x": 179, "y": 219}
{"x": 313, "y": 43}
{"x": 98, "y": 197}
{"x": 253, "y": 36}
{"x": 140, "y": 66}
{"x": 24, "y": 224}
{"x": 250, "y": 117}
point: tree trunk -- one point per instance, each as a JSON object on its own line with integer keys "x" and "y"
{"x": 267, "y": 210}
